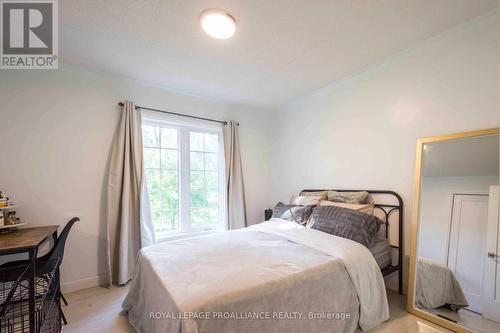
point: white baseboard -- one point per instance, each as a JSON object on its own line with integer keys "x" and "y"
{"x": 85, "y": 283}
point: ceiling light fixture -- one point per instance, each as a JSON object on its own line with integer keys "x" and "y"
{"x": 218, "y": 23}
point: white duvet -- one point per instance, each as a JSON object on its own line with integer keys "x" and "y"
{"x": 272, "y": 277}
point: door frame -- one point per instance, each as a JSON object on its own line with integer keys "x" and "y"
{"x": 487, "y": 273}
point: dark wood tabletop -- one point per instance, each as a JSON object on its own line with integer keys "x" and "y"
{"x": 25, "y": 238}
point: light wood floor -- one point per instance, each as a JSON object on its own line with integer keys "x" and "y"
{"x": 99, "y": 310}
{"x": 469, "y": 319}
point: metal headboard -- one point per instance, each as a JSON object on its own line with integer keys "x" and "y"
{"x": 387, "y": 209}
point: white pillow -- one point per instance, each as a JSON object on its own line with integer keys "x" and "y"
{"x": 308, "y": 200}
{"x": 323, "y": 194}
{"x": 365, "y": 208}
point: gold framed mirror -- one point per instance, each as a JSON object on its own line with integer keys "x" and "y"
{"x": 455, "y": 244}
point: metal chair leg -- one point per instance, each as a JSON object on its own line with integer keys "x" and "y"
{"x": 64, "y": 299}
{"x": 63, "y": 316}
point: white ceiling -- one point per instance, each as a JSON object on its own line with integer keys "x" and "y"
{"x": 466, "y": 157}
{"x": 283, "y": 49}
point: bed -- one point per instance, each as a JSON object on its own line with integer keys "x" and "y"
{"x": 275, "y": 276}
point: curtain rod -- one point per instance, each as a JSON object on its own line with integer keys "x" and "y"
{"x": 223, "y": 122}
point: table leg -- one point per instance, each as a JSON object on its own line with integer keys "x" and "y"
{"x": 31, "y": 290}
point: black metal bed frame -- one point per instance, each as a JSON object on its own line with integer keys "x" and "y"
{"x": 387, "y": 210}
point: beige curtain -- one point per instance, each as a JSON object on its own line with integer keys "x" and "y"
{"x": 236, "y": 209}
{"x": 125, "y": 189}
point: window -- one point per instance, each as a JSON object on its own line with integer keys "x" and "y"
{"x": 184, "y": 169}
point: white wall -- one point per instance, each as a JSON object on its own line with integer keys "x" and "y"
{"x": 56, "y": 129}
{"x": 361, "y": 132}
{"x": 255, "y": 127}
{"x": 435, "y": 210}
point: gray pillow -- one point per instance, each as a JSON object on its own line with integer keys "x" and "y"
{"x": 299, "y": 214}
{"x": 358, "y": 197}
{"x": 344, "y": 222}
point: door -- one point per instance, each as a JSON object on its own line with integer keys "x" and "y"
{"x": 491, "y": 295}
{"x": 467, "y": 239}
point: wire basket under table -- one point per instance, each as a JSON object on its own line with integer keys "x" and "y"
{"x": 15, "y": 311}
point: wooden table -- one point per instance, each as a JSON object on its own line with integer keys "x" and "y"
{"x": 27, "y": 240}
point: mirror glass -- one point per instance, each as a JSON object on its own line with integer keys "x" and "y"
{"x": 458, "y": 269}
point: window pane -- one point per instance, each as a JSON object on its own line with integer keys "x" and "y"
{"x": 162, "y": 176}
{"x": 196, "y": 161}
{"x": 162, "y": 225}
{"x": 155, "y": 200}
{"x": 212, "y": 216}
{"x": 156, "y": 216}
{"x": 196, "y": 141}
{"x": 169, "y": 200}
{"x": 204, "y": 165}
{"x": 211, "y": 161}
{"x": 153, "y": 180}
{"x": 169, "y": 138}
{"x": 171, "y": 219}
{"x": 211, "y": 180}
{"x": 212, "y": 199}
{"x": 169, "y": 159}
{"x": 150, "y": 136}
{"x": 211, "y": 142}
{"x": 198, "y": 198}
{"x": 152, "y": 158}
{"x": 169, "y": 180}
{"x": 197, "y": 180}
{"x": 198, "y": 216}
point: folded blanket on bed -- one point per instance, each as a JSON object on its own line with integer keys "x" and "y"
{"x": 436, "y": 286}
{"x": 278, "y": 268}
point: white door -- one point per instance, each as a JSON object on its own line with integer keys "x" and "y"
{"x": 491, "y": 293}
{"x": 467, "y": 238}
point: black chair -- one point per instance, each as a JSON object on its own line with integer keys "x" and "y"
{"x": 44, "y": 264}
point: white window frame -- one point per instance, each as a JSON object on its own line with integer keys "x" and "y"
{"x": 184, "y": 181}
